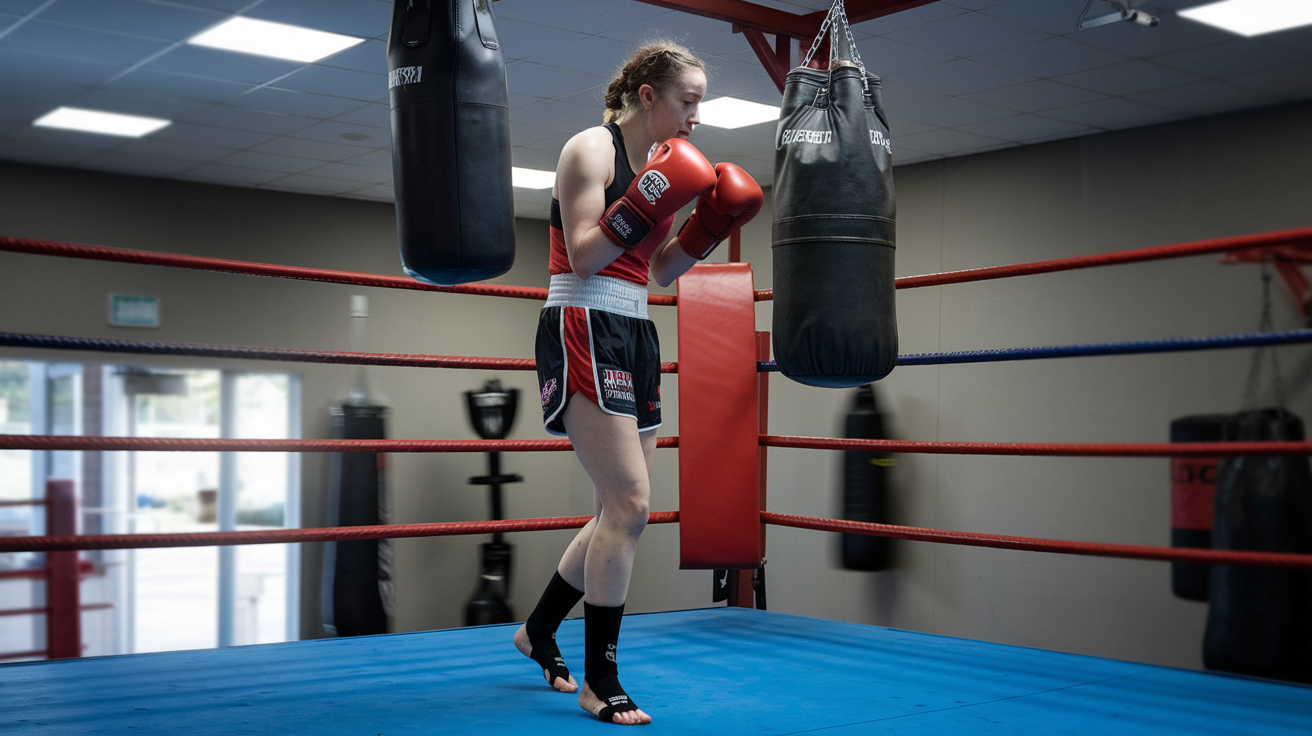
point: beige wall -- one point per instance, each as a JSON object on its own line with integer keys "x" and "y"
{"x": 1206, "y": 178}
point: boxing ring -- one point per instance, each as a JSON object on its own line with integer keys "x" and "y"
{"x": 721, "y": 670}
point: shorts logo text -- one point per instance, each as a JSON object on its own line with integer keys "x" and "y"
{"x": 617, "y": 385}
{"x": 807, "y": 136}
{"x": 652, "y": 185}
{"x": 404, "y": 75}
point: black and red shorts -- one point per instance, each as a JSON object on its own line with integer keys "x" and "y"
{"x": 613, "y": 360}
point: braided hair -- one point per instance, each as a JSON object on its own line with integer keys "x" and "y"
{"x": 658, "y": 63}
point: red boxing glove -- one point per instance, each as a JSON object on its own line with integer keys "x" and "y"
{"x": 733, "y": 202}
{"x": 675, "y": 174}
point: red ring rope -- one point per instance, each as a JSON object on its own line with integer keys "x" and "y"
{"x": 1032, "y": 544}
{"x": 284, "y": 536}
{"x": 252, "y": 268}
{"x": 1045, "y": 449}
{"x": 1300, "y": 236}
{"x": 173, "y": 444}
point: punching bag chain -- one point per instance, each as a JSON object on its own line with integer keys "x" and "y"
{"x": 1266, "y": 324}
{"x": 837, "y": 13}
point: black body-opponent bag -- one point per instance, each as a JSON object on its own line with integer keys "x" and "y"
{"x": 455, "y": 208}
{"x": 834, "y": 225}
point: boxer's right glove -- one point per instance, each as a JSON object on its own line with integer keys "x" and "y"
{"x": 673, "y": 176}
{"x": 733, "y": 202}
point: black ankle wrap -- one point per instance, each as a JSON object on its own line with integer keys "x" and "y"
{"x": 554, "y": 605}
{"x": 608, "y": 691}
{"x": 601, "y": 637}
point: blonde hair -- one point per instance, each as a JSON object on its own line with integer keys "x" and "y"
{"x": 658, "y": 63}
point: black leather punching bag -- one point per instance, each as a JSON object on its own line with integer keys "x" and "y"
{"x": 1193, "y": 486}
{"x": 357, "y": 581}
{"x": 865, "y": 485}
{"x": 834, "y": 229}
{"x": 1259, "y": 621}
{"x": 455, "y": 210}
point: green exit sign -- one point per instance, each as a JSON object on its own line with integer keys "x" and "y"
{"x": 133, "y": 311}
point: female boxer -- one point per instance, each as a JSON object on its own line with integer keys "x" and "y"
{"x": 597, "y": 353}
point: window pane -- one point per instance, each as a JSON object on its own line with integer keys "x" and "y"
{"x": 262, "y": 413}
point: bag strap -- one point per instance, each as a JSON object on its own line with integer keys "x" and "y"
{"x": 838, "y": 15}
{"x": 1255, "y": 371}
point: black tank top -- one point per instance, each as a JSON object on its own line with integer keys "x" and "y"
{"x": 624, "y": 174}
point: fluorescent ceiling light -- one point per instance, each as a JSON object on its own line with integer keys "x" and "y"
{"x": 1253, "y": 17}
{"x": 532, "y": 178}
{"x": 95, "y": 121}
{"x": 279, "y": 40}
{"x": 727, "y": 112}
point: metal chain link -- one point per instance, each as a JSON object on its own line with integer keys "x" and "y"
{"x": 838, "y": 12}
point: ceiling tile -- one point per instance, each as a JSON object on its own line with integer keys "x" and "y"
{"x": 1025, "y": 128}
{"x": 525, "y": 77}
{"x": 62, "y": 153}
{"x": 309, "y": 149}
{"x": 184, "y": 132}
{"x": 1112, "y": 113}
{"x": 85, "y": 44}
{"x": 1229, "y": 59}
{"x": 71, "y": 138}
{"x": 215, "y": 64}
{"x": 334, "y": 131}
{"x": 20, "y": 66}
{"x": 377, "y": 116}
{"x": 732, "y": 77}
{"x": 350, "y": 172}
{"x": 595, "y": 55}
{"x": 306, "y": 184}
{"x": 1051, "y": 16}
{"x": 1039, "y": 94}
{"x": 526, "y": 134}
{"x": 27, "y": 101}
{"x": 593, "y": 98}
{"x": 901, "y": 126}
{"x": 1296, "y": 39}
{"x": 160, "y": 83}
{"x": 135, "y": 163}
{"x": 269, "y": 162}
{"x": 1291, "y": 82}
{"x": 520, "y": 40}
{"x": 151, "y": 146}
{"x": 705, "y": 36}
{"x": 370, "y": 56}
{"x": 884, "y": 56}
{"x": 377, "y": 193}
{"x": 552, "y": 145}
{"x": 359, "y": 19}
{"x": 1050, "y": 57}
{"x": 768, "y": 95}
{"x": 946, "y": 141}
{"x": 974, "y": 4}
{"x": 225, "y": 5}
{"x": 7, "y": 21}
{"x": 967, "y": 34}
{"x": 951, "y": 112}
{"x": 1127, "y": 78}
{"x": 908, "y": 19}
{"x": 256, "y": 121}
{"x": 154, "y": 20}
{"x": 289, "y": 102}
{"x": 530, "y": 158}
{"x": 959, "y": 77}
{"x": 112, "y": 100}
{"x": 19, "y": 7}
{"x": 1207, "y": 98}
{"x": 376, "y": 158}
{"x": 1174, "y": 34}
{"x": 336, "y": 83}
{"x": 584, "y": 16}
{"x": 896, "y": 95}
{"x": 718, "y": 144}
{"x": 229, "y": 175}
{"x": 558, "y": 115}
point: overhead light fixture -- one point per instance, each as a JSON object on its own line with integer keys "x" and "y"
{"x": 96, "y": 121}
{"x": 1252, "y": 17}
{"x": 279, "y": 40}
{"x": 729, "y": 112}
{"x": 1124, "y": 12}
{"x": 532, "y": 178}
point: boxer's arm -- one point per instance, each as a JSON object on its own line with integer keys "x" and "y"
{"x": 581, "y": 178}
{"x": 670, "y": 261}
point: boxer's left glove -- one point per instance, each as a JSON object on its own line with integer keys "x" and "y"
{"x": 673, "y": 176}
{"x": 733, "y": 202}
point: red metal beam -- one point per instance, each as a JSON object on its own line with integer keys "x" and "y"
{"x": 747, "y": 14}
{"x": 859, "y": 11}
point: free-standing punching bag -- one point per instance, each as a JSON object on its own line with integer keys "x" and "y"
{"x": 1193, "y": 486}
{"x": 865, "y": 485}
{"x": 834, "y": 223}
{"x": 455, "y": 210}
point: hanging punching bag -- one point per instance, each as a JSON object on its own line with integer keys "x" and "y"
{"x": 356, "y": 588}
{"x": 834, "y": 224}
{"x": 1260, "y": 618}
{"x": 1193, "y": 485}
{"x": 455, "y": 211}
{"x": 865, "y": 485}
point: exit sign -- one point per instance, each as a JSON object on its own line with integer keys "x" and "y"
{"x": 133, "y": 311}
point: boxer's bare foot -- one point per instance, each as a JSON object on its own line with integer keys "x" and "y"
{"x": 565, "y": 684}
{"x": 615, "y": 700}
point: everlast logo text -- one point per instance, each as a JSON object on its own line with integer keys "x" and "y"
{"x": 808, "y": 136}
{"x": 652, "y": 185}
{"x": 404, "y": 75}
{"x": 877, "y": 138}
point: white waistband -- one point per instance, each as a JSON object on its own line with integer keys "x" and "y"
{"x": 606, "y": 293}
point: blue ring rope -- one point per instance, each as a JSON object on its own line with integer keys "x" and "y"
{"x": 1175, "y": 345}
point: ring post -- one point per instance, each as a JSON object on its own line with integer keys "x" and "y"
{"x": 64, "y": 616}
{"x": 719, "y": 445}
